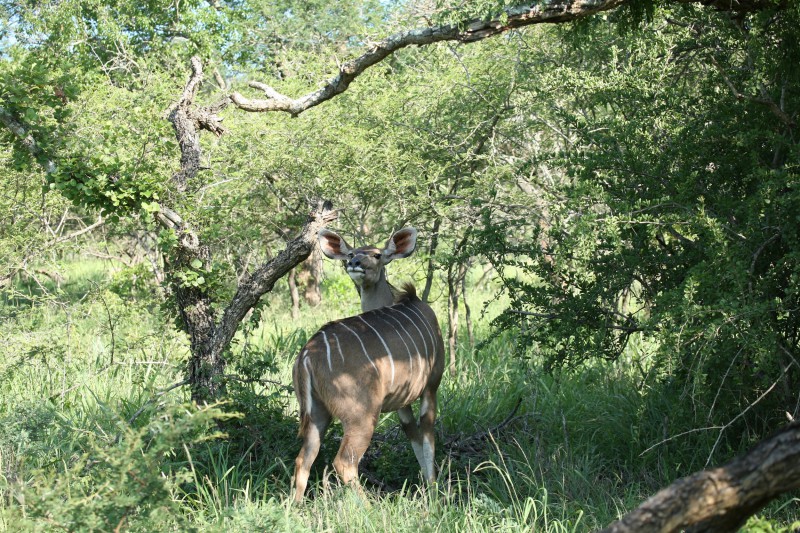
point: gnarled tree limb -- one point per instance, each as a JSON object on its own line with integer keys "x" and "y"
{"x": 542, "y": 12}
{"x": 188, "y": 120}
{"x": 263, "y": 279}
{"x": 721, "y": 499}
{"x": 471, "y": 31}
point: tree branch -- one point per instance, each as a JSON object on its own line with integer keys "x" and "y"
{"x": 188, "y": 120}
{"x": 723, "y": 498}
{"x": 764, "y": 100}
{"x": 542, "y": 12}
{"x": 547, "y": 11}
{"x": 261, "y": 281}
{"x": 26, "y": 139}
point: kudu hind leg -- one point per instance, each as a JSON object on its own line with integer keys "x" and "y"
{"x": 314, "y": 432}
{"x": 427, "y": 419}
{"x": 357, "y": 435}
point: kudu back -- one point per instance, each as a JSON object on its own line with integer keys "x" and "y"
{"x": 379, "y": 361}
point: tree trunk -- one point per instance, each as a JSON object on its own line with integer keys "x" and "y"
{"x": 291, "y": 278}
{"x": 452, "y": 317}
{"x": 721, "y": 499}
{"x": 197, "y": 316}
{"x": 308, "y": 278}
{"x": 426, "y": 292}
{"x": 467, "y": 310}
{"x": 210, "y": 334}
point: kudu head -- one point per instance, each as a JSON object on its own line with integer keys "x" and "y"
{"x": 365, "y": 265}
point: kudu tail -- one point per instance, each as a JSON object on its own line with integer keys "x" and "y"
{"x": 302, "y": 382}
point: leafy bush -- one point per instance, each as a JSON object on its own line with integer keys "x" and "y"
{"x": 102, "y": 481}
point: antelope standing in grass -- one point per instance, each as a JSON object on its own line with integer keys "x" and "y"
{"x": 381, "y": 360}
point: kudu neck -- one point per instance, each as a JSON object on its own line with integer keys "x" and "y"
{"x": 376, "y": 295}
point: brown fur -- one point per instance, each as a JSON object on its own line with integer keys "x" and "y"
{"x": 382, "y": 360}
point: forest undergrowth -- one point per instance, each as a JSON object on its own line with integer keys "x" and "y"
{"x": 96, "y": 433}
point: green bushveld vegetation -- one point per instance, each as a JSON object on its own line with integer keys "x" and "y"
{"x": 82, "y": 362}
{"x": 616, "y": 200}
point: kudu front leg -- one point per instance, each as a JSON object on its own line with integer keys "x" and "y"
{"x": 411, "y": 428}
{"x": 421, "y": 434}
{"x": 427, "y": 420}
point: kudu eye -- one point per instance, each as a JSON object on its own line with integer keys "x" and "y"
{"x": 377, "y": 256}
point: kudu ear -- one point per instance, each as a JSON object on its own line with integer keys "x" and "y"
{"x": 400, "y": 245}
{"x": 332, "y": 245}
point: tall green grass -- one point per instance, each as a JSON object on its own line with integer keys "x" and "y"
{"x": 87, "y": 442}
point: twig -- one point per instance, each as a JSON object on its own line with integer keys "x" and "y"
{"x": 679, "y": 435}
{"x": 459, "y": 440}
{"x": 155, "y": 397}
{"x": 720, "y": 428}
{"x": 254, "y": 380}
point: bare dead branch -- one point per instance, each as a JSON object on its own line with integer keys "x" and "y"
{"x": 457, "y": 441}
{"x": 99, "y": 222}
{"x": 260, "y": 381}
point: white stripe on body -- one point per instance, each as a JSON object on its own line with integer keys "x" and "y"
{"x": 386, "y": 346}
{"x": 424, "y": 322}
{"x": 428, "y": 353}
{"x": 363, "y": 348}
{"x": 411, "y": 338}
{"x": 338, "y": 345}
{"x": 408, "y": 348}
{"x": 327, "y": 349}
{"x": 421, "y": 336}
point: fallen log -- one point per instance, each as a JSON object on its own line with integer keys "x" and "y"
{"x": 721, "y": 499}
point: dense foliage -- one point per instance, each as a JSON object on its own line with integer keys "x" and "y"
{"x": 672, "y": 216}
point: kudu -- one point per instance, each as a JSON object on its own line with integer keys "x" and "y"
{"x": 379, "y": 361}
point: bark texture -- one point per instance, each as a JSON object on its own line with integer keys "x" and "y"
{"x": 211, "y": 335}
{"x": 209, "y": 332}
{"x": 188, "y": 120}
{"x": 721, "y": 499}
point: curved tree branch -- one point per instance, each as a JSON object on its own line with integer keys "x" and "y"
{"x": 253, "y": 286}
{"x": 546, "y": 11}
{"x": 542, "y": 12}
